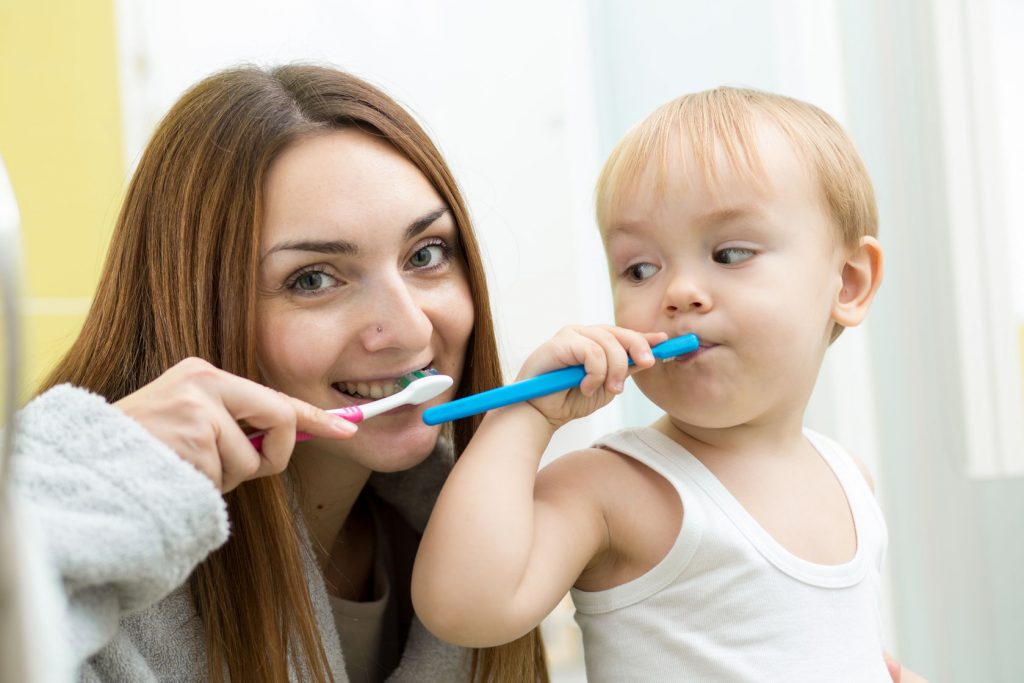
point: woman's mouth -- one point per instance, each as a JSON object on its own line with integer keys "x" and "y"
{"x": 371, "y": 390}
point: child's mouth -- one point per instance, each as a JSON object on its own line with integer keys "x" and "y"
{"x": 693, "y": 355}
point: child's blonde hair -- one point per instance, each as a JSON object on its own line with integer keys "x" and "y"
{"x": 728, "y": 117}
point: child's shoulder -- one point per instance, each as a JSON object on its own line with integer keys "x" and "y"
{"x": 641, "y": 510}
{"x": 606, "y": 473}
{"x": 589, "y": 474}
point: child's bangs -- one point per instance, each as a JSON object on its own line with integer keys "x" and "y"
{"x": 696, "y": 129}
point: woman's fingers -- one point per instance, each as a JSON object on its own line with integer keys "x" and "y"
{"x": 280, "y": 416}
{"x": 241, "y": 462}
{"x": 194, "y": 408}
{"x": 309, "y": 418}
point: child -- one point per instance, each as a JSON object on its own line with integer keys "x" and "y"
{"x": 724, "y": 542}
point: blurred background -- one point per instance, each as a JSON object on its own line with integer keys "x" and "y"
{"x": 525, "y": 100}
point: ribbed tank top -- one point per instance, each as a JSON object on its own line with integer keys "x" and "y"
{"x": 728, "y": 602}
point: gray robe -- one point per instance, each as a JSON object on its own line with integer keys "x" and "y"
{"x": 126, "y": 521}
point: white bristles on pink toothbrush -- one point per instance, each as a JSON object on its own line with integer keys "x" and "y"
{"x": 418, "y": 391}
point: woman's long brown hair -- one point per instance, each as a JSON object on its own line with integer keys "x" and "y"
{"x": 179, "y": 281}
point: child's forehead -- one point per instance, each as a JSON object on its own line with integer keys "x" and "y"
{"x": 730, "y": 141}
{"x": 723, "y": 176}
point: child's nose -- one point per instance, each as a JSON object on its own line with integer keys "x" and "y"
{"x": 686, "y": 294}
{"x": 398, "y": 319}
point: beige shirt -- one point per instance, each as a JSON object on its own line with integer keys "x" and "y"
{"x": 360, "y": 625}
{"x": 372, "y": 633}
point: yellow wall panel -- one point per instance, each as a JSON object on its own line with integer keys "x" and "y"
{"x": 61, "y": 139}
{"x": 46, "y": 337}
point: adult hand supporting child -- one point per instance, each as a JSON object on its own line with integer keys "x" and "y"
{"x": 901, "y": 674}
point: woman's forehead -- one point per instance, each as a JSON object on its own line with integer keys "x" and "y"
{"x": 345, "y": 182}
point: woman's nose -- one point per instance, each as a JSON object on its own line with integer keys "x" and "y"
{"x": 686, "y": 294}
{"x": 398, "y": 320}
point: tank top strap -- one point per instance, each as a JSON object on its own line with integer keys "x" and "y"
{"x": 630, "y": 442}
{"x": 867, "y": 513}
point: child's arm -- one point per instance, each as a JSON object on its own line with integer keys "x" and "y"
{"x": 498, "y": 555}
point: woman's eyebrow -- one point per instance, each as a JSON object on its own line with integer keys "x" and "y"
{"x": 346, "y": 248}
{"x": 343, "y": 247}
{"x": 421, "y": 224}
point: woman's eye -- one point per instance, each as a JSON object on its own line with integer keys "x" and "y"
{"x": 312, "y": 281}
{"x": 732, "y": 255}
{"x": 428, "y": 256}
{"x": 638, "y": 272}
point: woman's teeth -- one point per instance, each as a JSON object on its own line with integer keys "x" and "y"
{"x": 373, "y": 390}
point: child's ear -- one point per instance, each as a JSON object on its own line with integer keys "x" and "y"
{"x": 862, "y": 274}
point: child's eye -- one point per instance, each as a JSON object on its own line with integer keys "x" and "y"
{"x": 638, "y": 272}
{"x": 430, "y": 256}
{"x": 311, "y": 282}
{"x": 732, "y": 255}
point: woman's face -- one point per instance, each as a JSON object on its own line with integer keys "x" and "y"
{"x": 361, "y": 280}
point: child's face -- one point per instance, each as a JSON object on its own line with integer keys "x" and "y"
{"x": 753, "y": 269}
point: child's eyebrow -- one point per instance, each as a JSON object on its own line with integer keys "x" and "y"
{"x": 716, "y": 216}
{"x": 729, "y": 213}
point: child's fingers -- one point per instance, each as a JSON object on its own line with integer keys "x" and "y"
{"x": 594, "y": 359}
{"x": 638, "y": 346}
{"x": 611, "y": 340}
{"x": 640, "y": 350}
{"x": 655, "y": 338}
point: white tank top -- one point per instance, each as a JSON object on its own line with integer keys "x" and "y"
{"x": 728, "y": 602}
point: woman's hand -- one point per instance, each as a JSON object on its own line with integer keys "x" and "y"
{"x": 604, "y": 352}
{"x": 194, "y": 409}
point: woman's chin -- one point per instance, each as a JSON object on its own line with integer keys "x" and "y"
{"x": 396, "y": 449}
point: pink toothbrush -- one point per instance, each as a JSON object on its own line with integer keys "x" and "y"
{"x": 416, "y": 392}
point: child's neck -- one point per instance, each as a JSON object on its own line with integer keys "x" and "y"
{"x": 743, "y": 440}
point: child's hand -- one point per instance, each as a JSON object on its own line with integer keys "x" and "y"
{"x": 604, "y": 351}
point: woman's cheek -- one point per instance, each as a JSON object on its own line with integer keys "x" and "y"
{"x": 294, "y": 354}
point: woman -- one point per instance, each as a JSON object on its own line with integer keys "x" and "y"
{"x": 294, "y": 228}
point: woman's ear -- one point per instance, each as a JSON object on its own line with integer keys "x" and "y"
{"x": 862, "y": 274}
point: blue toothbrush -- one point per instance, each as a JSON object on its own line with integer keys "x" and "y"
{"x": 541, "y": 385}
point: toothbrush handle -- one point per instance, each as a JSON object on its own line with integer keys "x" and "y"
{"x": 350, "y": 413}
{"x": 256, "y": 438}
{"x": 541, "y": 385}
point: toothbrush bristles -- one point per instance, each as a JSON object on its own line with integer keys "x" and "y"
{"x": 408, "y": 378}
